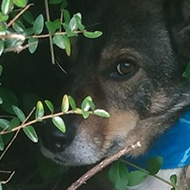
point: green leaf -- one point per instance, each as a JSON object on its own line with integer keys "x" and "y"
{"x": 67, "y": 16}
{"x": 136, "y": 178}
{"x": 78, "y": 111}
{"x": 154, "y": 164}
{"x": 1, "y": 100}
{"x": 64, "y": 4}
{"x": 3, "y": 17}
{"x": 59, "y": 41}
{"x": 31, "y": 133}
{"x": 6, "y": 6}
{"x": 73, "y": 24}
{"x": 28, "y": 17}
{"x": 118, "y": 175}
{"x": 19, "y": 113}
{"x": 78, "y": 18}
{"x": 39, "y": 110}
{"x": 65, "y": 104}
{"x": 72, "y": 103}
{"x": 85, "y": 114}
{"x": 1, "y": 49}
{"x": 85, "y": 106}
{"x": 101, "y": 113}
{"x": 57, "y": 23}
{"x": 1, "y": 69}
{"x": 9, "y": 99}
{"x": 33, "y": 44}
{"x": 18, "y": 26}
{"x": 38, "y": 24}
{"x": 173, "y": 180}
{"x": 3, "y": 27}
{"x": 1, "y": 143}
{"x": 95, "y": 34}
{"x": 55, "y": 1}
{"x": 67, "y": 45}
{"x": 29, "y": 32}
{"x": 4, "y": 124}
{"x": 59, "y": 123}
{"x": 50, "y": 26}
{"x": 49, "y": 105}
{"x": 15, "y": 122}
{"x": 1, "y": 187}
{"x": 20, "y": 3}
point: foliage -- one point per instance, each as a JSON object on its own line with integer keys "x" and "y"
{"x": 20, "y": 30}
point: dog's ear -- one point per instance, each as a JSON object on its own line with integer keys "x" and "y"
{"x": 179, "y": 25}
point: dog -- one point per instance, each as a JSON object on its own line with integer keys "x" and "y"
{"x": 133, "y": 71}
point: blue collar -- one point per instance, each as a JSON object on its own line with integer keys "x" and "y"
{"x": 173, "y": 146}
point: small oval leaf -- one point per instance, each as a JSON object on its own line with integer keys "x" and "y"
{"x": 1, "y": 143}
{"x": 137, "y": 177}
{"x": 6, "y": 6}
{"x": 31, "y": 133}
{"x": 49, "y": 105}
{"x": 59, "y": 41}
{"x": 32, "y": 44}
{"x": 118, "y": 175}
{"x": 1, "y": 47}
{"x": 95, "y": 34}
{"x": 72, "y": 103}
{"x": 65, "y": 104}
{"x": 154, "y": 165}
{"x": 38, "y": 24}
{"x": 101, "y": 113}
{"x": 59, "y": 123}
{"x": 39, "y": 110}
{"x": 4, "y": 124}
{"x": 19, "y": 113}
{"x": 20, "y": 3}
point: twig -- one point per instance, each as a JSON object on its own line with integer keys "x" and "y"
{"x": 18, "y": 15}
{"x": 42, "y": 118}
{"x": 145, "y": 171}
{"x": 50, "y": 36}
{"x": 102, "y": 165}
{"x": 16, "y": 134}
{"x": 13, "y": 36}
{"x": 18, "y": 49}
{"x": 10, "y": 177}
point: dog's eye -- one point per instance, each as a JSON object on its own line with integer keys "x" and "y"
{"x": 126, "y": 67}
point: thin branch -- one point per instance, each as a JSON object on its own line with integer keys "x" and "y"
{"x": 145, "y": 171}
{"x": 13, "y": 36}
{"x": 18, "y": 49}
{"x": 102, "y": 165}
{"x": 10, "y": 177}
{"x": 16, "y": 134}
{"x": 50, "y": 36}
{"x": 18, "y": 15}
{"x": 37, "y": 120}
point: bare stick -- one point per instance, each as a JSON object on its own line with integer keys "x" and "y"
{"x": 10, "y": 177}
{"x": 15, "y": 136}
{"x": 18, "y": 15}
{"x": 50, "y": 36}
{"x": 102, "y": 165}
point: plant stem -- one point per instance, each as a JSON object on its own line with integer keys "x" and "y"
{"x": 145, "y": 171}
{"x": 50, "y": 36}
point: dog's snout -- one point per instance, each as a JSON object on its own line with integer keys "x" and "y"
{"x": 55, "y": 140}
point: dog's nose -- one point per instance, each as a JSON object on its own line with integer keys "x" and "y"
{"x": 55, "y": 140}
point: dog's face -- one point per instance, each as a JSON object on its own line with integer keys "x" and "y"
{"x": 132, "y": 71}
